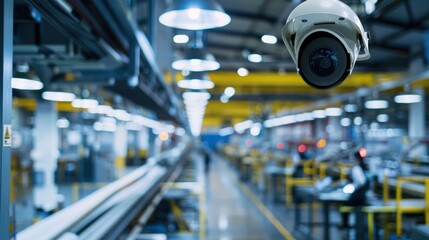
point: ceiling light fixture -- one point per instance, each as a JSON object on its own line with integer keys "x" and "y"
{"x": 195, "y": 15}
{"x": 333, "y": 112}
{"x": 242, "y": 72}
{"x": 242, "y": 126}
{"x": 226, "y": 131}
{"x": 224, "y": 99}
{"x": 269, "y": 39}
{"x": 196, "y": 81}
{"x": 181, "y": 38}
{"x": 376, "y": 104}
{"x": 229, "y": 92}
{"x": 382, "y": 118}
{"x": 196, "y": 96}
{"x": 280, "y": 121}
{"x": 345, "y": 122}
{"x": 122, "y": 115}
{"x": 358, "y": 121}
{"x": 319, "y": 114}
{"x": 255, "y": 58}
{"x": 26, "y": 84}
{"x": 255, "y": 130}
{"x": 408, "y": 98}
{"x": 58, "y": 96}
{"x": 85, "y": 103}
{"x": 63, "y": 123}
{"x": 350, "y": 108}
{"x": 196, "y": 60}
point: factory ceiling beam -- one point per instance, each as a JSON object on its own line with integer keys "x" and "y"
{"x": 400, "y": 50}
{"x": 383, "y": 8}
{"x": 405, "y": 29}
{"x": 250, "y": 16}
{"x": 268, "y": 97}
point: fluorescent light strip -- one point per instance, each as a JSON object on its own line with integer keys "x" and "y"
{"x": 85, "y": 103}
{"x": 333, "y": 112}
{"x": 58, "y": 96}
{"x": 242, "y": 126}
{"x": 376, "y": 104}
{"x": 26, "y": 84}
{"x": 226, "y": 131}
{"x": 408, "y": 98}
{"x": 275, "y": 122}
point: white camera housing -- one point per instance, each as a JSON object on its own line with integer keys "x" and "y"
{"x": 325, "y": 38}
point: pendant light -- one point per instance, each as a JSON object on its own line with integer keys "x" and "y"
{"x": 195, "y": 15}
{"x": 58, "y": 96}
{"x": 196, "y": 81}
{"x": 196, "y": 60}
{"x": 195, "y": 104}
{"x": 26, "y": 80}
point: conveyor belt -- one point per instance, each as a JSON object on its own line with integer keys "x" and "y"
{"x": 420, "y": 232}
{"x": 107, "y": 212}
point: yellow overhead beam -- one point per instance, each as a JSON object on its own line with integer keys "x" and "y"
{"x": 31, "y": 104}
{"x": 216, "y": 122}
{"x": 235, "y": 111}
{"x": 266, "y": 79}
{"x": 247, "y": 108}
{"x": 421, "y": 84}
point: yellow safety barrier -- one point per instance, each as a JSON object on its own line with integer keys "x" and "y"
{"x": 371, "y": 211}
{"x": 310, "y": 169}
{"x": 399, "y": 206}
{"x": 414, "y": 208}
{"x": 202, "y": 217}
{"x": 322, "y": 170}
{"x": 291, "y": 182}
{"x": 344, "y": 169}
{"x": 183, "y": 227}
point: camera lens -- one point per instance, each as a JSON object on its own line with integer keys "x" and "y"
{"x": 323, "y": 61}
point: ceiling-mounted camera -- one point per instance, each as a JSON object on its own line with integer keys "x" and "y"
{"x": 325, "y": 39}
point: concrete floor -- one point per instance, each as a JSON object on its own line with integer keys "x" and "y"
{"x": 234, "y": 211}
{"x": 231, "y": 214}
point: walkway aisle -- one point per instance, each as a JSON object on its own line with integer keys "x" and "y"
{"x": 231, "y": 214}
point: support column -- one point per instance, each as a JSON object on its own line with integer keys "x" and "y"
{"x": 6, "y": 46}
{"x": 121, "y": 148}
{"x": 320, "y": 128}
{"x": 416, "y": 124}
{"x": 45, "y": 156}
{"x": 335, "y": 131}
{"x": 143, "y": 143}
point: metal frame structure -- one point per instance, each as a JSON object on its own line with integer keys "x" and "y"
{"x": 6, "y": 20}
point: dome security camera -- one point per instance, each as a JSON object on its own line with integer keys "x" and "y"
{"x": 325, "y": 39}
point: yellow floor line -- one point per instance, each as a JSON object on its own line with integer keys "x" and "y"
{"x": 286, "y": 234}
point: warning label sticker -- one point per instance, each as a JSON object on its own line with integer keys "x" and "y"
{"x": 7, "y": 135}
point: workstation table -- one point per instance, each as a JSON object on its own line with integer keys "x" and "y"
{"x": 309, "y": 194}
{"x": 273, "y": 174}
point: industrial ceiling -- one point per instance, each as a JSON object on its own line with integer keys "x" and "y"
{"x": 397, "y": 29}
